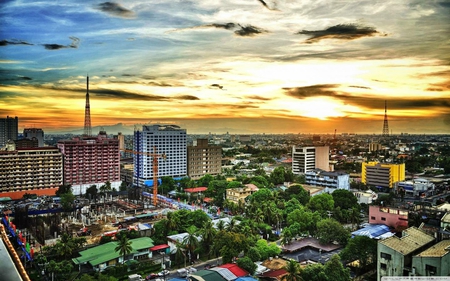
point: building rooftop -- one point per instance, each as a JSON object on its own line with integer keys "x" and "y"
{"x": 446, "y": 218}
{"x": 412, "y": 239}
{"x": 439, "y": 250}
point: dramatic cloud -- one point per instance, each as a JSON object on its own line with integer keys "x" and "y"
{"x": 115, "y": 9}
{"x": 359, "y": 87}
{"x": 74, "y": 44}
{"x": 13, "y": 42}
{"x": 187, "y": 97}
{"x": 249, "y": 30}
{"x": 311, "y": 91}
{"x": 340, "y": 31}
{"x": 216, "y": 86}
{"x": 228, "y": 26}
{"x": 267, "y": 6}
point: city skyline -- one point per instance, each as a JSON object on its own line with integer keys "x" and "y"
{"x": 229, "y": 66}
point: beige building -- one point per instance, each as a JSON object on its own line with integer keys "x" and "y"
{"x": 434, "y": 261}
{"x": 204, "y": 159}
{"x": 30, "y": 169}
{"x": 395, "y": 255}
{"x": 239, "y": 194}
{"x": 306, "y": 159}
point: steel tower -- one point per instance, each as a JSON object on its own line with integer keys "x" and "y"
{"x": 87, "y": 112}
{"x": 385, "y": 123}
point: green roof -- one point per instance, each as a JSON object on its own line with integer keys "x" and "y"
{"x": 106, "y": 252}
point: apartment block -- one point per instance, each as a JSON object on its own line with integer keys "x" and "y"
{"x": 169, "y": 140}
{"x": 203, "y": 159}
{"x": 29, "y": 171}
{"x": 9, "y": 129}
{"x": 382, "y": 175}
{"x": 239, "y": 194}
{"x": 395, "y": 254}
{"x": 34, "y": 133}
{"x": 91, "y": 161}
{"x": 392, "y": 217}
{"x": 329, "y": 180}
{"x": 306, "y": 159}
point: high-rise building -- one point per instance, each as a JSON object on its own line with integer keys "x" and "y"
{"x": 382, "y": 175}
{"x": 204, "y": 159}
{"x": 32, "y": 170}
{"x": 9, "y": 129}
{"x": 91, "y": 161}
{"x": 306, "y": 159}
{"x": 30, "y": 133}
{"x": 168, "y": 140}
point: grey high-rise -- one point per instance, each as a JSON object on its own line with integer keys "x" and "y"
{"x": 9, "y": 129}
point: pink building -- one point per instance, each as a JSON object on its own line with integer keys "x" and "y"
{"x": 395, "y": 218}
{"x": 91, "y": 161}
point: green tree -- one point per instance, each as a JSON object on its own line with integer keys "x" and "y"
{"x": 254, "y": 254}
{"x": 335, "y": 271}
{"x": 314, "y": 272}
{"x": 293, "y": 271}
{"x": 67, "y": 201}
{"x": 322, "y": 203}
{"x": 123, "y": 246}
{"x": 278, "y": 175}
{"x": 65, "y": 188}
{"x": 344, "y": 199}
{"x": 360, "y": 248}
{"x": 208, "y": 233}
{"x": 298, "y": 192}
{"x": 330, "y": 230}
{"x": 191, "y": 241}
{"x": 92, "y": 192}
{"x": 247, "y": 264}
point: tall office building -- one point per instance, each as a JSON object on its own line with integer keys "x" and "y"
{"x": 91, "y": 161}
{"x": 306, "y": 159}
{"x": 30, "y": 133}
{"x": 32, "y": 170}
{"x": 382, "y": 175}
{"x": 169, "y": 140}
{"x": 204, "y": 159}
{"x": 9, "y": 129}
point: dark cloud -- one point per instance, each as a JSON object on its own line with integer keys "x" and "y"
{"x": 217, "y": 86}
{"x": 249, "y": 30}
{"x": 187, "y": 97}
{"x": 119, "y": 94}
{"x": 228, "y": 26}
{"x": 115, "y": 9}
{"x": 267, "y": 6}
{"x": 74, "y": 44}
{"x": 311, "y": 91}
{"x": 128, "y": 75}
{"x": 14, "y": 42}
{"x": 340, "y": 31}
{"x": 259, "y": 98}
{"x": 25, "y": 78}
{"x": 360, "y": 87}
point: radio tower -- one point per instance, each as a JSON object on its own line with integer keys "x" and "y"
{"x": 385, "y": 123}
{"x": 87, "y": 112}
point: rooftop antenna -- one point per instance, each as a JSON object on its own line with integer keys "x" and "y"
{"x": 87, "y": 112}
{"x": 385, "y": 123}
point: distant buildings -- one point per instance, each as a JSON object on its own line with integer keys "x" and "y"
{"x": 169, "y": 140}
{"x": 9, "y": 129}
{"x": 91, "y": 161}
{"x": 417, "y": 187}
{"x": 239, "y": 194}
{"x": 33, "y": 170}
{"x": 329, "y": 180}
{"x": 306, "y": 159}
{"x": 203, "y": 159}
{"x": 382, "y": 175}
{"x": 30, "y": 133}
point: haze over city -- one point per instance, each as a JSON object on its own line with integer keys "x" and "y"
{"x": 237, "y": 66}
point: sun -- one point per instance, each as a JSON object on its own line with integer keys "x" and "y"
{"x": 317, "y": 107}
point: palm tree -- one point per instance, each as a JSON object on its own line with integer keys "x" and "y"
{"x": 220, "y": 225}
{"x": 208, "y": 233}
{"x": 232, "y": 224}
{"x": 191, "y": 240}
{"x": 65, "y": 246}
{"x": 123, "y": 246}
{"x": 293, "y": 271}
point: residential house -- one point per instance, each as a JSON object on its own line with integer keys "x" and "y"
{"x": 240, "y": 193}
{"x": 434, "y": 261}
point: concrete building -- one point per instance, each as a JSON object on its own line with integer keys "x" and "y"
{"x": 395, "y": 255}
{"x": 169, "y": 140}
{"x": 33, "y": 170}
{"x": 30, "y": 133}
{"x": 245, "y": 138}
{"x": 382, "y": 175}
{"x": 434, "y": 261}
{"x": 417, "y": 187}
{"x": 373, "y": 146}
{"x": 392, "y": 217}
{"x": 203, "y": 159}
{"x": 9, "y": 129}
{"x": 366, "y": 197}
{"x": 236, "y": 195}
{"x": 26, "y": 143}
{"x": 329, "y": 180}
{"x": 305, "y": 159}
{"x": 91, "y": 161}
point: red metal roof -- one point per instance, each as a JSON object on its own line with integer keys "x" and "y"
{"x": 236, "y": 270}
{"x": 274, "y": 273}
{"x": 195, "y": 189}
{"x": 159, "y": 247}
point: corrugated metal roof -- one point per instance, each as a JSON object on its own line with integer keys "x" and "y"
{"x": 206, "y": 275}
{"x": 235, "y": 269}
{"x": 225, "y": 273}
{"x": 372, "y": 231}
{"x": 413, "y": 239}
{"x": 440, "y": 249}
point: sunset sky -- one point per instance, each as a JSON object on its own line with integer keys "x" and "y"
{"x": 238, "y": 66}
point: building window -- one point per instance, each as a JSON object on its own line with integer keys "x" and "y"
{"x": 383, "y": 219}
{"x": 383, "y": 266}
{"x": 386, "y": 256}
{"x": 372, "y": 218}
{"x": 430, "y": 270}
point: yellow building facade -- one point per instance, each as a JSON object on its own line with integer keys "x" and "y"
{"x": 383, "y": 175}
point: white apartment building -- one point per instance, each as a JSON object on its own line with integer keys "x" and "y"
{"x": 306, "y": 159}
{"x": 168, "y": 140}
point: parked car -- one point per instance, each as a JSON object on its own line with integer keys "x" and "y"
{"x": 151, "y": 276}
{"x": 164, "y": 272}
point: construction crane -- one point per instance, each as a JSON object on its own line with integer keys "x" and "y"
{"x": 155, "y": 157}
